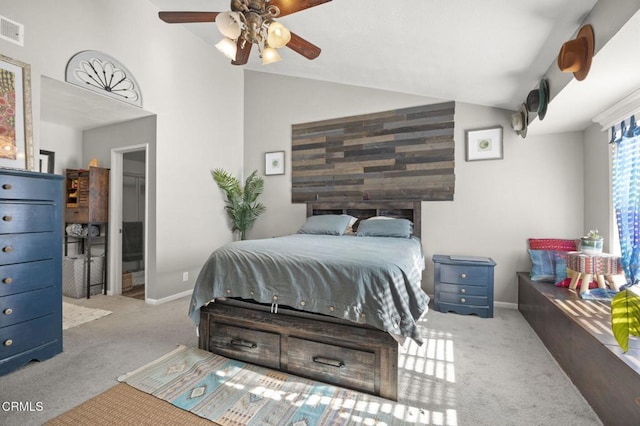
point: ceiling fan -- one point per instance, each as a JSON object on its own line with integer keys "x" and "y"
{"x": 253, "y": 22}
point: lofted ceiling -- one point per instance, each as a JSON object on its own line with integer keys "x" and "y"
{"x": 490, "y": 52}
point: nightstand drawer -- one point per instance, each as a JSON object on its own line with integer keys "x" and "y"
{"x": 463, "y": 299}
{"x": 18, "y": 217}
{"x": 27, "y": 335}
{"x": 21, "y": 277}
{"x": 18, "y": 248}
{"x": 244, "y": 344}
{"x": 464, "y": 274}
{"x": 468, "y": 290}
{"x": 22, "y": 307}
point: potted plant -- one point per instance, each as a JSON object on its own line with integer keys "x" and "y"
{"x": 591, "y": 243}
{"x": 242, "y": 207}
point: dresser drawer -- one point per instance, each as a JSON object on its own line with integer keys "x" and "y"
{"x": 463, "y": 274}
{"x": 332, "y": 364}
{"x": 244, "y": 344}
{"x": 26, "y": 188}
{"x": 463, "y": 299}
{"x": 18, "y": 248}
{"x": 21, "y": 277}
{"x": 27, "y": 335}
{"x": 17, "y": 217}
{"x": 461, "y": 289}
{"x": 28, "y": 305}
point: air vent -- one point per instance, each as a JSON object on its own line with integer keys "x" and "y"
{"x": 11, "y": 31}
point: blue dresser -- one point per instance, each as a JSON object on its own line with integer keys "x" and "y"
{"x": 464, "y": 284}
{"x": 30, "y": 267}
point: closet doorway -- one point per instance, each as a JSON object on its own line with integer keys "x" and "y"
{"x": 133, "y": 223}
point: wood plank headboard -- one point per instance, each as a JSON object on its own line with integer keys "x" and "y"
{"x": 365, "y": 209}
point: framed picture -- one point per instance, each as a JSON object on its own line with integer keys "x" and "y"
{"x": 16, "y": 143}
{"x": 46, "y": 161}
{"x": 484, "y": 144}
{"x": 274, "y": 163}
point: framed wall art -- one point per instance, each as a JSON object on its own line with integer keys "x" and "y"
{"x": 274, "y": 163}
{"x": 16, "y": 143}
{"x": 484, "y": 144}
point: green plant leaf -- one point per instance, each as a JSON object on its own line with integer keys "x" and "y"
{"x": 625, "y": 317}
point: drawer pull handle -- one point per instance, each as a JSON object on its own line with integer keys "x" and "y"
{"x": 7, "y": 280}
{"x": 463, "y": 275}
{"x": 8, "y": 311}
{"x": 328, "y": 361}
{"x": 6, "y": 186}
{"x": 243, "y": 344}
{"x": 7, "y": 218}
{"x": 463, "y": 300}
{"x": 7, "y": 249}
{"x": 463, "y": 290}
{"x": 8, "y": 342}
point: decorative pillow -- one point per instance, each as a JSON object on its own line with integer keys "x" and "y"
{"x": 326, "y": 224}
{"x": 562, "y": 274}
{"x": 552, "y": 244}
{"x": 543, "y": 265}
{"x": 400, "y": 228}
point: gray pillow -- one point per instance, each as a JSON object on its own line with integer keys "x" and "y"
{"x": 399, "y": 228}
{"x": 326, "y": 224}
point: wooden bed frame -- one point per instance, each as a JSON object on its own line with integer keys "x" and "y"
{"x": 311, "y": 345}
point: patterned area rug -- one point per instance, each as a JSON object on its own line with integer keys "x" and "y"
{"x": 74, "y": 315}
{"x": 231, "y": 392}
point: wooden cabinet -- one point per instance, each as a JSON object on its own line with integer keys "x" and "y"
{"x": 87, "y": 203}
{"x": 30, "y": 267}
{"x": 309, "y": 345}
{"x": 87, "y": 195}
{"x": 464, "y": 284}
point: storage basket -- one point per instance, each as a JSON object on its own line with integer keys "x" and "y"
{"x": 74, "y": 276}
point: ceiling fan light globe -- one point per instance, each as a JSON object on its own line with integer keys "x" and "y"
{"x": 270, "y": 55}
{"x": 228, "y": 47}
{"x": 228, "y": 24}
{"x": 278, "y": 35}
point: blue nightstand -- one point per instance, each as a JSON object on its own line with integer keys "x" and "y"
{"x": 464, "y": 284}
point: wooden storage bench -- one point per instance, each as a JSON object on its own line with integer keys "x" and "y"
{"x": 578, "y": 334}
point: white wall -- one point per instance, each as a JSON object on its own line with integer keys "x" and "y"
{"x": 196, "y": 95}
{"x": 536, "y": 191}
{"x": 65, "y": 141}
{"x": 597, "y": 186}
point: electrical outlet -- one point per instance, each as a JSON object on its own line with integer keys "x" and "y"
{"x": 185, "y": 276}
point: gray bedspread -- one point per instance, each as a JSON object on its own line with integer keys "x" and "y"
{"x": 369, "y": 280}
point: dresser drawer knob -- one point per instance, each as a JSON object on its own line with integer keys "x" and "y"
{"x": 8, "y": 311}
{"x": 463, "y": 290}
{"x": 7, "y": 280}
{"x": 7, "y": 249}
{"x": 7, "y": 218}
{"x": 8, "y": 342}
{"x": 463, "y": 300}
{"x": 6, "y": 186}
{"x": 463, "y": 275}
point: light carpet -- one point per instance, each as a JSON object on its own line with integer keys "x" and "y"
{"x": 231, "y": 392}
{"x": 74, "y": 315}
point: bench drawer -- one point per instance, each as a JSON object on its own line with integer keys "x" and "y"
{"x": 332, "y": 364}
{"x": 244, "y": 344}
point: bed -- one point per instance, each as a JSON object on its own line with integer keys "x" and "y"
{"x": 328, "y": 307}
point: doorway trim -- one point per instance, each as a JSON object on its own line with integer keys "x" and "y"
{"x": 115, "y": 217}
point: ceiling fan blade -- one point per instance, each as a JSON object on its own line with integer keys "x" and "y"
{"x": 242, "y": 54}
{"x": 187, "y": 17}
{"x": 287, "y": 7}
{"x": 303, "y": 47}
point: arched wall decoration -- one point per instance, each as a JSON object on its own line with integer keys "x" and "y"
{"x": 101, "y": 73}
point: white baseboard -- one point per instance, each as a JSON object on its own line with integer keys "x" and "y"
{"x": 169, "y": 298}
{"x": 507, "y": 305}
